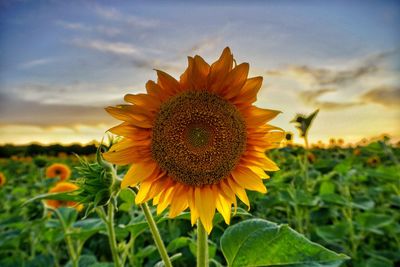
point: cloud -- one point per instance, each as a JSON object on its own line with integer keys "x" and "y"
{"x": 111, "y": 13}
{"x": 383, "y": 95}
{"x": 311, "y": 98}
{"x": 77, "y": 93}
{"x": 22, "y": 112}
{"x": 35, "y": 63}
{"x": 321, "y": 77}
{"x": 209, "y": 43}
{"x": 324, "y": 76}
{"x": 76, "y": 26}
{"x": 118, "y": 48}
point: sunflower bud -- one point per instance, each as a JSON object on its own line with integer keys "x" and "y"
{"x": 98, "y": 183}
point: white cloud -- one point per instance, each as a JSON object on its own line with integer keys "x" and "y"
{"x": 118, "y": 48}
{"x": 111, "y": 13}
{"x": 77, "y": 26}
{"x": 35, "y": 62}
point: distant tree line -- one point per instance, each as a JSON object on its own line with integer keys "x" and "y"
{"x": 9, "y": 150}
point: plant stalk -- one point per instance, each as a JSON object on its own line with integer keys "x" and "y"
{"x": 68, "y": 240}
{"x": 156, "y": 235}
{"x": 109, "y": 221}
{"x": 202, "y": 245}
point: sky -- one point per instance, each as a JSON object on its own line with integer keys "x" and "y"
{"x": 62, "y": 62}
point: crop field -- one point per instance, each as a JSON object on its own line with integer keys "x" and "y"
{"x": 345, "y": 199}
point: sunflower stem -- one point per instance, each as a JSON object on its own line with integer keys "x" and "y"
{"x": 202, "y": 245}
{"x": 109, "y": 221}
{"x": 71, "y": 250}
{"x": 156, "y": 235}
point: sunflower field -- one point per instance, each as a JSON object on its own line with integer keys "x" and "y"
{"x": 336, "y": 206}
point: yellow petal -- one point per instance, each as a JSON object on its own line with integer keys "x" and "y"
{"x": 249, "y": 91}
{"x": 260, "y": 172}
{"x": 194, "y": 215}
{"x": 167, "y": 82}
{"x": 224, "y": 207}
{"x": 220, "y": 69}
{"x": 165, "y": 199}
{"x": 156, "y": 91}
{"x": 143, "y": 100}
{"x": 255, "y": 116}
{"x": 234, "y": 81}
{"x": 138, "y": 173}
{"x": 144, "y": 190}
{"x": 179, "y": 201}
{"x": 186, "y": 81}
{"x": 248, "y": 179}
{"x": 129, "y": 130}
{"x": 205, "y": 203}
{"x": 239, "y": 191}
{"x": 200, "y": 73}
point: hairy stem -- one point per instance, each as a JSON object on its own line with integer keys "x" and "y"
{"x": 202, "y": 245}
{"x": 156, "y": 235}
{"x": 109, "y": 221}
{"x": 71, "y": 250}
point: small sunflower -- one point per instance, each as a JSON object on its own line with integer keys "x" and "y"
{"x": 373, "y": 161}
{"x": 3, "y": 179}
{"x": 63, "y": 187}
{"x": 58, "y": 170}
{"x": 198, "y": 142}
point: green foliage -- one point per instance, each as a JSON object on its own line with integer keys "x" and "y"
{"x": 258, "y": 242}
{"x": 347, "y": 205}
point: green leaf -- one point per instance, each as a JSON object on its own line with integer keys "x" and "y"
{"x": 259, "y": 242}
{"x": 327, "y": 187}
{"x": 63, "y": 196}
{"x": 335, "y": 199}
{"x": 333, "y": 233}
{"x": 371, "y": 221}
{"x": 69, "y": 215}
{"x": 127, "y": 196}
{"x": 178, "y": 243}
{"x": 86, "y": 228}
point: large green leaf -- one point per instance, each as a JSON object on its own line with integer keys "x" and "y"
{"x": 259, "y": 242}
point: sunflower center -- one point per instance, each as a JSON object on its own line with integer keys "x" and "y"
{"x": 198, "y": 138}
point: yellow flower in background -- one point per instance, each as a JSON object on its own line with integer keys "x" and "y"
{"x": 198, "y": 142}
{"x": 63, "y": 187}
{"x": 3, "y": 179}
{"x": 58, "y": 170}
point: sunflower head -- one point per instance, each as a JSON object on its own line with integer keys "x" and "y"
{"x": 60, "y": 188}
{"x": 373, "y": 161}
{"x": 58, "y": 170}
{"x": 3, "y": 179}
{"x": 197, "y": 142}
{"x": 357, "y": 152}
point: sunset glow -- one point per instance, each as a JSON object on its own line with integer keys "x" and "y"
{"x": 62, "y": 63}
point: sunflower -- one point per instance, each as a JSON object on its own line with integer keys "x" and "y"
{"x": 198, "y": 142}
{"x": 63, "y": 187}
{"x": 3, "y": 179}
{"x": 373, "y": 161}
{"x": 58, "y": 170}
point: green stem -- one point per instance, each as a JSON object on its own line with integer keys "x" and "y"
{"x": 156, "y": 235}
{"x": 68, "y": 240}
{"x": 202, "y": 245}
{"x": 109, "y": 221}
